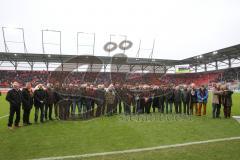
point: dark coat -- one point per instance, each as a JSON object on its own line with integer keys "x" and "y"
{"x": 100, "y": 96}
{"x": 50, "y": 96}
{"x": 27, "y": 98}
{"x": 14, "y": 97}
{"x": 185, "y": 96}
{"x": 156, "y": 98}
{"x": 193, "y": 96}
{"x": 227, "y": 98}
{"x": 39, "y": 95}
{"x": 170, "y": 95}
{"x": 177, "y": 96}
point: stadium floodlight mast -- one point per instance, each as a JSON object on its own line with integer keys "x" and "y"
{"x": 57, "y": 44}
{"x": 92, "y": 35}
{"x": 48, "y": 43}
{"x": 148, "y": 49}
{"x": 6, "y": 42}
{"x": 151, "y": 54}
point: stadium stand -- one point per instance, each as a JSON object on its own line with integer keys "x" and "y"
{"x": 36, "y": 77}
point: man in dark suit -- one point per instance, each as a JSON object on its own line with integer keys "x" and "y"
{"x": 14, "y": 98}
{"x": 169, "y": 98}
{"x": 178, "y": 100}
{"x": 186, "y": 100}
{"x": 27, "y": 103}
{"x": 100, "y": 95}
{"x": 49, "y": 102}
{"x": 39, "y": 101}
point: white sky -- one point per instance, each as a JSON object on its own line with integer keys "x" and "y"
{"x": 182, "y": 28}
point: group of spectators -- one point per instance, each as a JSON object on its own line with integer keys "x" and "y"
{"x": 87, "y": 100}
{"x": 44, "y": 77}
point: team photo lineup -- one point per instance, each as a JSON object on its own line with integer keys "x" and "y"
{"x": 119, "y": 80}
{"x": 79, "y": 100}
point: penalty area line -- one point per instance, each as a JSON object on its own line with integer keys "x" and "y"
{"x": 140, "y": 149}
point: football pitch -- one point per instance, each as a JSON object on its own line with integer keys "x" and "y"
{"x": 117, "y": 133}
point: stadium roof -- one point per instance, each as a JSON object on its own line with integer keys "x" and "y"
{"x": 221, "y": 55}
{"x": 87, "y": 59}
{"x": 232, "y": 52}
{"x": 220, "y": 59}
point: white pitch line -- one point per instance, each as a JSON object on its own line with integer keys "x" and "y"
{"x": 139, "y": 149}
{"x": 4, "y": 116}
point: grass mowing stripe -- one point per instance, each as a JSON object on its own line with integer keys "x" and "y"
{"x": 140, "y": 149}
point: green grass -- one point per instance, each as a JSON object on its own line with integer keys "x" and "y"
{"x": 60, "y": 138}
{"x": 213, "y": 151}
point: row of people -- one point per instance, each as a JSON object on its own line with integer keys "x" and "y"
{"x": 93, "y": 101}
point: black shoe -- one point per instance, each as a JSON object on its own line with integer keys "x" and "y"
{"x": 17, "y": 126}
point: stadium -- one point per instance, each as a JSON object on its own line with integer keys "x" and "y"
{"x": 112, "y": 96}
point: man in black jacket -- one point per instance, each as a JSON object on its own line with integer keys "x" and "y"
{"x": 56, "y": 98}
{"x": 49, "y": 102}
{"x": 169, "y": 98}
{"x": 161, "y": 94}
{"x": 100, "y": 95}
{"x": 15, "y": 100}
{"x": 193, "y": 99}
{"x": 27, "y": 103}
{"x": 186, "y": 100}
{"x": 39, "y": 101}
{"x": 178, "y": 100}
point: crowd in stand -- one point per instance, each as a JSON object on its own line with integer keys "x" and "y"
{"x": 89, "y": 100}
{"x": 43, "y": 77}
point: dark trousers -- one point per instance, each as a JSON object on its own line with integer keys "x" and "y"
{"x": 134, "y": 108}
{"x": 141, "y": 106}
{"x": 147, "y": 107}
{"x": 64, "y": 109}
{"x": 170, "y": 104}
{"x": 48, "y": 111}
{"x": 178, "y": 107}
{"x": 92, "y": 108}
{"x": 119, "y": 105}
{"x": 100, "y": 109}
{"x": 88, "y": 108}
{"x": 156, "y": 107}
{"x": 110, "y": 109}
{"x": 41, "y": 107}
{"x": 227, "y": 111}
{"x": 186, "y": 108}
{"x": 138, "y": 109}
{"x": 161, "y": 106}
{"x": 26, "y": 115}
{"x": 216, "y": 110}
{"x": 56, "y": 110}
{"x": 192, "y": 107}
{"x": 13, "y": 110}
{"x": 127, "y": 108}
